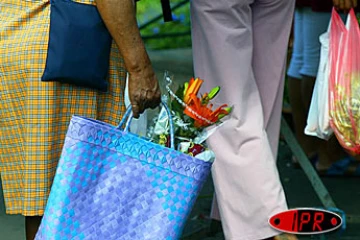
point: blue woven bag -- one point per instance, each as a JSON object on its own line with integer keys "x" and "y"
{"x": 112, "y": 184}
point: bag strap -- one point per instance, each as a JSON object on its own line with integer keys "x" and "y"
{"x": 165, "y": 4}
{"x": 127, "y": 118}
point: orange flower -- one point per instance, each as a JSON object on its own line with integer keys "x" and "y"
{"x": 207, "y": 115}
{"x": 191, "y": 88}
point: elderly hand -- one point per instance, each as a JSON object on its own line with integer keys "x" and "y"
{"x": 120, "y": 18}
{"x": 144, "y": 90}
{"x": 345, "y": 5}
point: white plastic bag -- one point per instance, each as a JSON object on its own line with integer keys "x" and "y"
{"x": 138, "y": 126}
{"x": 318, "y": 121}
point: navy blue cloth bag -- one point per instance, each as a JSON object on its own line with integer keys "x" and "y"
{"x": 79, "y": 46}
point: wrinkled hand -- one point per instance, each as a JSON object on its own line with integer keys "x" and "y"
{"x": 344, "y": 5}
{"x": 144, "y": 90}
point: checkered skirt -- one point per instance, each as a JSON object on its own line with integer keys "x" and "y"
{"x": 34, "y": 115}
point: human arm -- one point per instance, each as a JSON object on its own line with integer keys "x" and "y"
{"x": 119, "y": 18}
{"x": 345, "y": 5}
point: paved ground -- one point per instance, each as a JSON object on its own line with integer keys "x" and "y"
{"x": 346, "y": 192}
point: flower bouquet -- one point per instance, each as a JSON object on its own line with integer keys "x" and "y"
{"x": 195, "y": 118}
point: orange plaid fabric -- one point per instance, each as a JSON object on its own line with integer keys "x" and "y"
{"x": 34, "y": 115}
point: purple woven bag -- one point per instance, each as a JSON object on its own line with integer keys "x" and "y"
{"x": 112, "y": 184}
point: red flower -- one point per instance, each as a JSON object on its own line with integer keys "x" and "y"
{"x": 202, "y": 113}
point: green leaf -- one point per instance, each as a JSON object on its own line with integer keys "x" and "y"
{"x": 213, "y": 92}
{"x": 175, "y": 105}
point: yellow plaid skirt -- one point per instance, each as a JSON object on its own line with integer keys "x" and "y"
{"x": 34, "y": 115}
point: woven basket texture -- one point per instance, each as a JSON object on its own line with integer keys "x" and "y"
{"x": 112, "y": 184}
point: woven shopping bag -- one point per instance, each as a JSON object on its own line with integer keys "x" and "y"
{"x": 112, "y": 184}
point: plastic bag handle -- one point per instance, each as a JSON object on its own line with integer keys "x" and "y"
{"x": 128, "y": 116}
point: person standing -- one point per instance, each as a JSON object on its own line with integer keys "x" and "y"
{"x": 241, "y": 45}
{"x": 311, "y": 20}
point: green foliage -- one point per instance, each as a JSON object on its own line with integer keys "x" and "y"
{"x": 148, "y": 9}
{"x": 175, "y": 105}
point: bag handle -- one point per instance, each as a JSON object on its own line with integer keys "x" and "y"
{"x": 128, "y": 116}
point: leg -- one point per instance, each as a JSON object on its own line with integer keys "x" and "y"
{"x": 307, "y": 88}
{"x": 271, "y": 25}
{"x": 311, "y": 145}
{"x": 296, "y": 86}
{"x": 299, "y": 113}
{"x": 32, "y": 225}
{"x": 270, "y": 77}
{"x": 316, "y": 24}
{"x": 246, "y": 180}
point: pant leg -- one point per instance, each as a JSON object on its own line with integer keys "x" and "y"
{"x": 245, "y": 176}
{"x": 297, "y": 56}
{"x": 314, "y": 24}
{"x": 272, "y": 21}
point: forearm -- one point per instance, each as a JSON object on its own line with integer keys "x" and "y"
{"x": 345, "y": 4}
{"x": 119, "y": 17}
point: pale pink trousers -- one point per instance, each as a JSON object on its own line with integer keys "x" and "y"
{"x": 241, "y": 45}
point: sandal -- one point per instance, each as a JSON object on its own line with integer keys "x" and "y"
{"x": 346, "y": 167}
